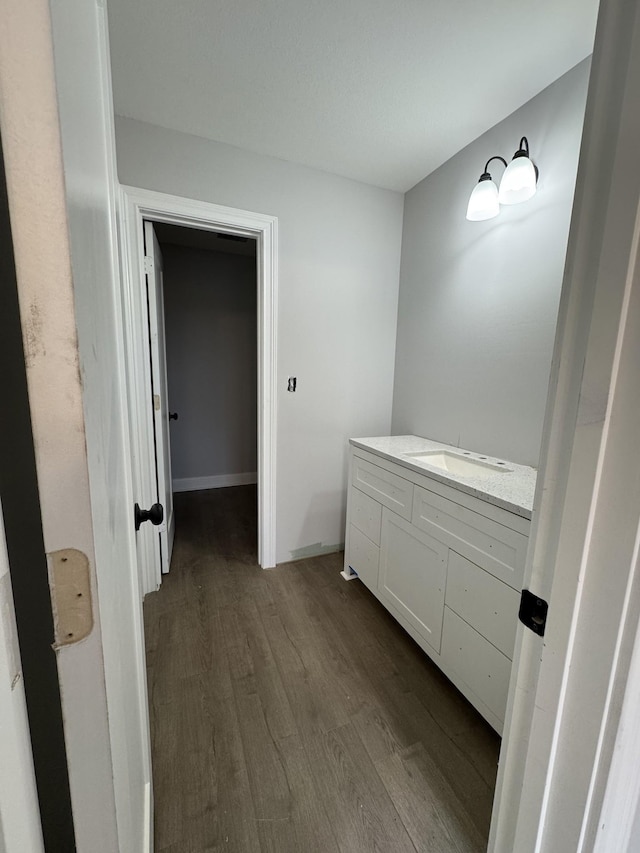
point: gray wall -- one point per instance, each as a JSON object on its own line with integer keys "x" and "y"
{"x": 478, "y": 300}
{"x": 339, "y": 261}
{"x": 210, "y": 320}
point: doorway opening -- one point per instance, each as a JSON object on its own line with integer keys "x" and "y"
{"x": 202, "y": 295}
{"x": 140, "y": 210}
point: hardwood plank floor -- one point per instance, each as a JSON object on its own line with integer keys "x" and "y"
{"x": 290, "y": 713}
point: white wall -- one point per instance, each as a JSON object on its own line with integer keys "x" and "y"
{"x": 211, "y": 333}
{"x": 339, "y": 255}
{"x": 478, "y": 300}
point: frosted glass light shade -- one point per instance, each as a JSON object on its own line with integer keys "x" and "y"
{"x": 483, "y": 203}
{"x": 518, "y": 182}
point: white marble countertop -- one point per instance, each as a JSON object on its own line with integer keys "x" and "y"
{"x": 511, "y": 489}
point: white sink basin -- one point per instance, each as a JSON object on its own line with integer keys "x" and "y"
{"x": 462, "y": 464}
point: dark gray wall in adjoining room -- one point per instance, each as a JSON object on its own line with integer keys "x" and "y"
{"x": 211, "y": 331}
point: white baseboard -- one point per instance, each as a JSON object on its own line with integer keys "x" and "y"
{"x": 216, "y": 481}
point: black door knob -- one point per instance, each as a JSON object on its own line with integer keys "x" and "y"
{"x": 154, "y": 515}
{"x": 173, "y": 416}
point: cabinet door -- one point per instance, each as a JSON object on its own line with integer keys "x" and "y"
{"x": 362, "y": 557}
{"x": 413, "y": 574}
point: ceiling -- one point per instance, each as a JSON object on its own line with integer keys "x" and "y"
{"x": 382, "y": 91}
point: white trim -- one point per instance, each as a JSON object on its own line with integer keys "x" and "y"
{"x": 115, "y": 249}
{"x": 563, "y": 714}
{"x": 20, "y": 827}
{"x": 619, "y": 817}
{"x": 148, "y": 837}
{"x": 215, "y": 481}
{"x": 135, "y": 206}
{"x": 614, "y": 791}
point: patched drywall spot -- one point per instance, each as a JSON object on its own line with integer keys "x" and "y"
{"x": 315, "y": 550}
{"x": 70, "y": 595}
{"x": 33, "y": 334}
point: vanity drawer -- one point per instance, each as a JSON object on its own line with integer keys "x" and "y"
{"x": 476, "y": 663}
{"x": 498, "y": 549}
{"x": 383, "y": 486}
{"x": 363, "y": 557}
{"x": 365, "y": 514}
{"x": 484, "y": 602}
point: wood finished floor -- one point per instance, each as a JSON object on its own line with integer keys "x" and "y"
{"x": 290, "y": 713}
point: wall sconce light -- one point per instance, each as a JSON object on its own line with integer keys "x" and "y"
{"x": 520, "y": 177}
{"x": 518, "y": 184}
{"x": 483, "y": 203}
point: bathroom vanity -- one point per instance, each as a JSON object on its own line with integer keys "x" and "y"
{"x": 439, "y": 535}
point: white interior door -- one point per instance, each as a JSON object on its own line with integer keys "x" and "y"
{"x": 157, "y": 347}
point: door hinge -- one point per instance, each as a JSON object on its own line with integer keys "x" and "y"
{"x": 148, "y": 265}
{"x": 533, "y": 612}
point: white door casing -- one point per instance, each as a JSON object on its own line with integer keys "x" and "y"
{"x": 136, "y": 207}
{"x": 19, "y": 814}
{"x": 563, "y": 715}
{"x": 613, "y": 825}
{"x": 159, "y": 399}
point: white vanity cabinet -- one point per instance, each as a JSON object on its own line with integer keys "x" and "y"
{"x": 448, "y": 566}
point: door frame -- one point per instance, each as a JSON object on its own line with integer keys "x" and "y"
{"x": 568, "y": 750}
{"x": 136, "y": 205}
